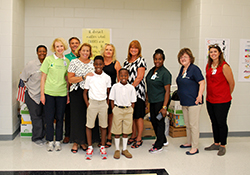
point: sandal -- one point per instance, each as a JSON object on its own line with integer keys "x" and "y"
{"x": 84, "y": 149}
{"x": 74, "y": 150}
{"x": 131, "y": 140}
{"x": 108, "y": 145}
{"x": 136, "y": 144}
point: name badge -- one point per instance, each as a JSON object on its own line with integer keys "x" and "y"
{"x": 154, "y": 76}
{"x": 214, "y": 71}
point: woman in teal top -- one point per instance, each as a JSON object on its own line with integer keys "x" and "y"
{"x": 54, "y": 91}
{"x": 158, "y": 91}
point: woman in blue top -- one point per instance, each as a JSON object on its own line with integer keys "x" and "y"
{"x": 191, "y": 85}
{"x": 158, "y": 91}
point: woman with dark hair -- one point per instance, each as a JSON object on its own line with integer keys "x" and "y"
{"x": 158, "y": 82}
{"x": 191, "y": 85}
{"x": 220, "y": 85}
{"x": 31, "y": 75}
{"x": 136, "y": 66}
{"x": 112, "y": 67}
{"x": 78, "y": 70}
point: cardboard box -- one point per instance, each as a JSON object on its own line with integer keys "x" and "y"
{"x": 26, "y": 130}
{"x": 177, "y": 132}
{"x": 176, "y": 120}
{"x": 175, "y": 107}
{"x": 25, "y": 119}
{"x": 148, "y": 130}
{"x": 24, "y": 109}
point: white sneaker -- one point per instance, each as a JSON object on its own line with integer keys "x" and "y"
{"x": 50, "y": 146}
{"x": 89, "y": 153}
{"x": 103, "y": 152}
{"x": 58, "y": 146}
{"x": 165, "y": 144}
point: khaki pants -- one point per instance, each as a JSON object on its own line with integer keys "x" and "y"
{"x": 191, "y": 116}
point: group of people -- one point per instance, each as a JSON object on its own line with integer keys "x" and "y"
{"x": 101, "y": 96}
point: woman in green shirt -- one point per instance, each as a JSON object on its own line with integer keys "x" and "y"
{"x": 158, "y": 91}
{"x": 54, "y": 93}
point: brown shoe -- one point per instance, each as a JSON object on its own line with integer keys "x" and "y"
{"x": 127, "y": 154}
{"x": 117, "y": 154}
{"x": 222, "y": 151}
{"x": 212, "y": 147}
{"x": 66, "y": 140}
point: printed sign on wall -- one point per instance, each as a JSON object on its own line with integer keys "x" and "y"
{"x": 244, "y": 61}
{"x": 97, "y": 38}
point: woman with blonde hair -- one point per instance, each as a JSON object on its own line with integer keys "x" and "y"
{"x": 112, "y": 67}
{"x": 78, "y": 70}
{"x": 136, "y": 66}
{"x": 54, "y": 89}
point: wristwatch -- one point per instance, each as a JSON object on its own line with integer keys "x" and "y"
{"x": 164, "y": 107}
{"x": 83, "y": 78}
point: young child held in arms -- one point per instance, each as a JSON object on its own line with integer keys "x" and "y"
{"x": 97, "y": 87}
{"x": 123, "y": 98}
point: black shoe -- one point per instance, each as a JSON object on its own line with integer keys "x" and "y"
{"x": 183, "y": 146}
{"x": 196, "y": 152}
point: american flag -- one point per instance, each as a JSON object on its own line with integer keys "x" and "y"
{"x": 21, "y": 91}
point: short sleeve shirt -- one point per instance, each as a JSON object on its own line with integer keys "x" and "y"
{"x": 31, "y": 75}
{"x": 132, "y": 69}
{"x": 156, "y": 83}
{"x": 80, "y": 69}
{"x": 188, "y": 85}
{"x": 97, "y": 86}
{"x": 123, "y": 95}
{"x": 56, "y": 70}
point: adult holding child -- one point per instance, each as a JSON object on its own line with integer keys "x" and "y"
{"x": 158, "y": 91}
{"x": 111, "y": 68}
{"x": 191, "y": 85}
{"x": 136, "y": 66}
{"x": 220, "y": 86}
{"x": 54, "y": 89}
{"x": 78, "y": 70}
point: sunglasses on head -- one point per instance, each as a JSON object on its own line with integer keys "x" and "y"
{"x": 214, "y": 46}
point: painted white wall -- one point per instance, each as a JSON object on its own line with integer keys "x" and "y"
{"x": 12, "y": 57}
{"x": 154, "y": 23}
{"x": 5, "y": 71}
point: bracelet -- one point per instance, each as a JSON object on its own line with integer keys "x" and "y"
{"x": 83, "y": 78}
{"x": 164, "y": 107}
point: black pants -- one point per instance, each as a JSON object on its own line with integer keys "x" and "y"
{"x": 67, "y": 120}
{"x": 218, "y": 115}
{"x": 158, "y": 125}
{"x": 54, "y": 106}
{"x": 37, "y": 118}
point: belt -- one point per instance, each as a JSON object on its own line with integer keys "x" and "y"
{"x": 123, "y": 107}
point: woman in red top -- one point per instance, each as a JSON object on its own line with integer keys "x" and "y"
{"x": 220, "y": 85}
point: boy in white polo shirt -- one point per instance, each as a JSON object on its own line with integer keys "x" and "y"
{"x": 97, "y": 87}
{"x": 123, "y": 98}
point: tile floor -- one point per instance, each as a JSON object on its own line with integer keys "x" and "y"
{"x": 22, "y": 154}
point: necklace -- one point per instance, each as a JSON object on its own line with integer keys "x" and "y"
{"x": 214, "y": 67}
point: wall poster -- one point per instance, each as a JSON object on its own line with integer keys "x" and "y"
{"x": 97, "y": 38}
{"x": 244, "y": 61}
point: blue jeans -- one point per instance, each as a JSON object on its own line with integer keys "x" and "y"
{"x": 54, "y": 109}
